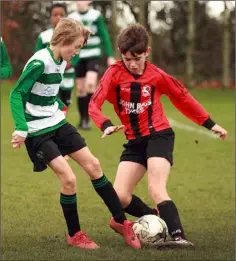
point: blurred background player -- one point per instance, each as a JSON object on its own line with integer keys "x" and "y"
{"x": 6, "y": 68}
{"x": 58, "y": 11}
{"x": 88, "y": 67}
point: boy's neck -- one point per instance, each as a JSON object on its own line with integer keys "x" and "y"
{"x": 83, "y": 11}
{"x": 56, "y": 53}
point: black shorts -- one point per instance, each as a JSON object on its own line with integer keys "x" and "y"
{"x": 158, "y": 144}
{"x": 65, "y": 96}
{"x": 85, "y": 65}
{"x": 44, "y": 148}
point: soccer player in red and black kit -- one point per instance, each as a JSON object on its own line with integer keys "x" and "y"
{"x": 134, "y": 86}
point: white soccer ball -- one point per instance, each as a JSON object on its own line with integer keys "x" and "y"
{"x": 150, "y": 230}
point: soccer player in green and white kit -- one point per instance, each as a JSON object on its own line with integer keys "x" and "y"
{"x": 87, "y": 69}
{"x": 40, "y": 123}
{"x": 6, "y": 68}
{"x": 58, "y": 11}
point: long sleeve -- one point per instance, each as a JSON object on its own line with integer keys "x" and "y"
{"x": 20, "y": 92}
{"x": 184, "y": 101}
{"x": 105, "y": 36}
{"x": 6, "y": 68}
{"x": 39, "y": 44}
{"x": 97, "y": 100}
{"x": 61, "y": 103}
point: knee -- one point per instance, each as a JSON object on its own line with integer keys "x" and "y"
{"x": 158, "y": 193}
{"x": 93, "y": 168}
{"x": 81, "y": 90}
{"x": 69, "y": 182}
{"x": 124, "y": 198}
{"x": 90, "y": 87}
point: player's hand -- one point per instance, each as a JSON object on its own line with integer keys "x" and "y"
{"x": 112, "y": 129}
{"x": 110, "y": 61}
{"x": 17, "y": 140}
{"x": 220, "y": 131}
{"x": 65, "y": 109}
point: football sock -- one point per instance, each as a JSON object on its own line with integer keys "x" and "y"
{"x": 81, "y": 105}
{"x": 69, "y": 207}
{"x": 106, "y": 191}
{"x": 88, "y": 98}
{"x": 169, "y": 213}
{"x": 138, "y": 208}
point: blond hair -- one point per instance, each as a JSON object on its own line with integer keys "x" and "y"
{"x": 68, "y": 30}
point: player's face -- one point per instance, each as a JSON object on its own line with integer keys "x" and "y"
{"x": 56, "y": 15}
{"x": 83, "y": 5}
{"x": 135, "y": 64}
{"x": 68, "y": 51}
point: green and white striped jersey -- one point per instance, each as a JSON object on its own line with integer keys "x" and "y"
{"x": 43, "y": 41}
{"x": 35, "y": 107}
{"x": 93, "y": 19}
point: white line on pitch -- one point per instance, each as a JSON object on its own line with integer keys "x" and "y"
{"x": 182, "y": 126}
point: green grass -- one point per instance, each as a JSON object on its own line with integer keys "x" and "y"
{"x": 201, "y": 183}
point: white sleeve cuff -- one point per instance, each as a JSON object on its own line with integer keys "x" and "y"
{"x": 21, "y": 133}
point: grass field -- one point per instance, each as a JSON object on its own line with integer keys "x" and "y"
{"x": 201, "y": 183}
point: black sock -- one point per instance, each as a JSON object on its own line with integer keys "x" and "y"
{"x": 169, "y": 213}
{"x": 88, "y": 98}
{"x": 69, "y": 206}
{"x": 81, "y": 105}
{"x": 138, "y": 208}
{"x": 106, "y": 191}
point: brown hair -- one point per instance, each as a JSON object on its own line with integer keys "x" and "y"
{"x": 67, "y": 30}
{"x": 133, "y": 39}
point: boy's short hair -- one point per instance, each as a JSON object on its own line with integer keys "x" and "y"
{"x": 133, "y": 39}
{"x": 58, "y": 5}
{"x": 68, "y": 30}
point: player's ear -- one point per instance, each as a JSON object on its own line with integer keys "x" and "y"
{"x": 148, "y": 51}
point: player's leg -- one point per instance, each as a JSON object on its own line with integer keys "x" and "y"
{"x": 131, "y": 169}
{"x": 72, "y": 144}
{"x": 43, "y": 151}
{"x": 127, "y": 177}
{"x": 160, "y": 158}
{"x": 68, "y": 199}
{"x": 81, "y": 93}
{"x": 91, "y": 81}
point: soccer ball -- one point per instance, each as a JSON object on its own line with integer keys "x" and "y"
{"x": 150, "y": 230}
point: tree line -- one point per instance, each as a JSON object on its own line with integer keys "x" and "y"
{"x": 185, "y": 40}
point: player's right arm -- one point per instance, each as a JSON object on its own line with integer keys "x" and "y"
{"x": 19, "y": 94}
{"x": 6, "y": 68}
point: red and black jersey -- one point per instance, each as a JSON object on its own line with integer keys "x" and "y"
{"x": 136, "y": 100}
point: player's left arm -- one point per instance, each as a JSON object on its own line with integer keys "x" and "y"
{"x": 102, "y": 28}
{"x": 188, "y": 105}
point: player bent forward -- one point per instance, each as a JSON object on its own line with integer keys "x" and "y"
{"x": 40, "y": 123}
{"x": 134, "y": 87}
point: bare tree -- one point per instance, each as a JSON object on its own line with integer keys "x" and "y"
{"x": 226, "y": 45}
{"x": 114, "y": 26}
{"x": 190, "y": 43}
{"x": 140, "y": 11}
